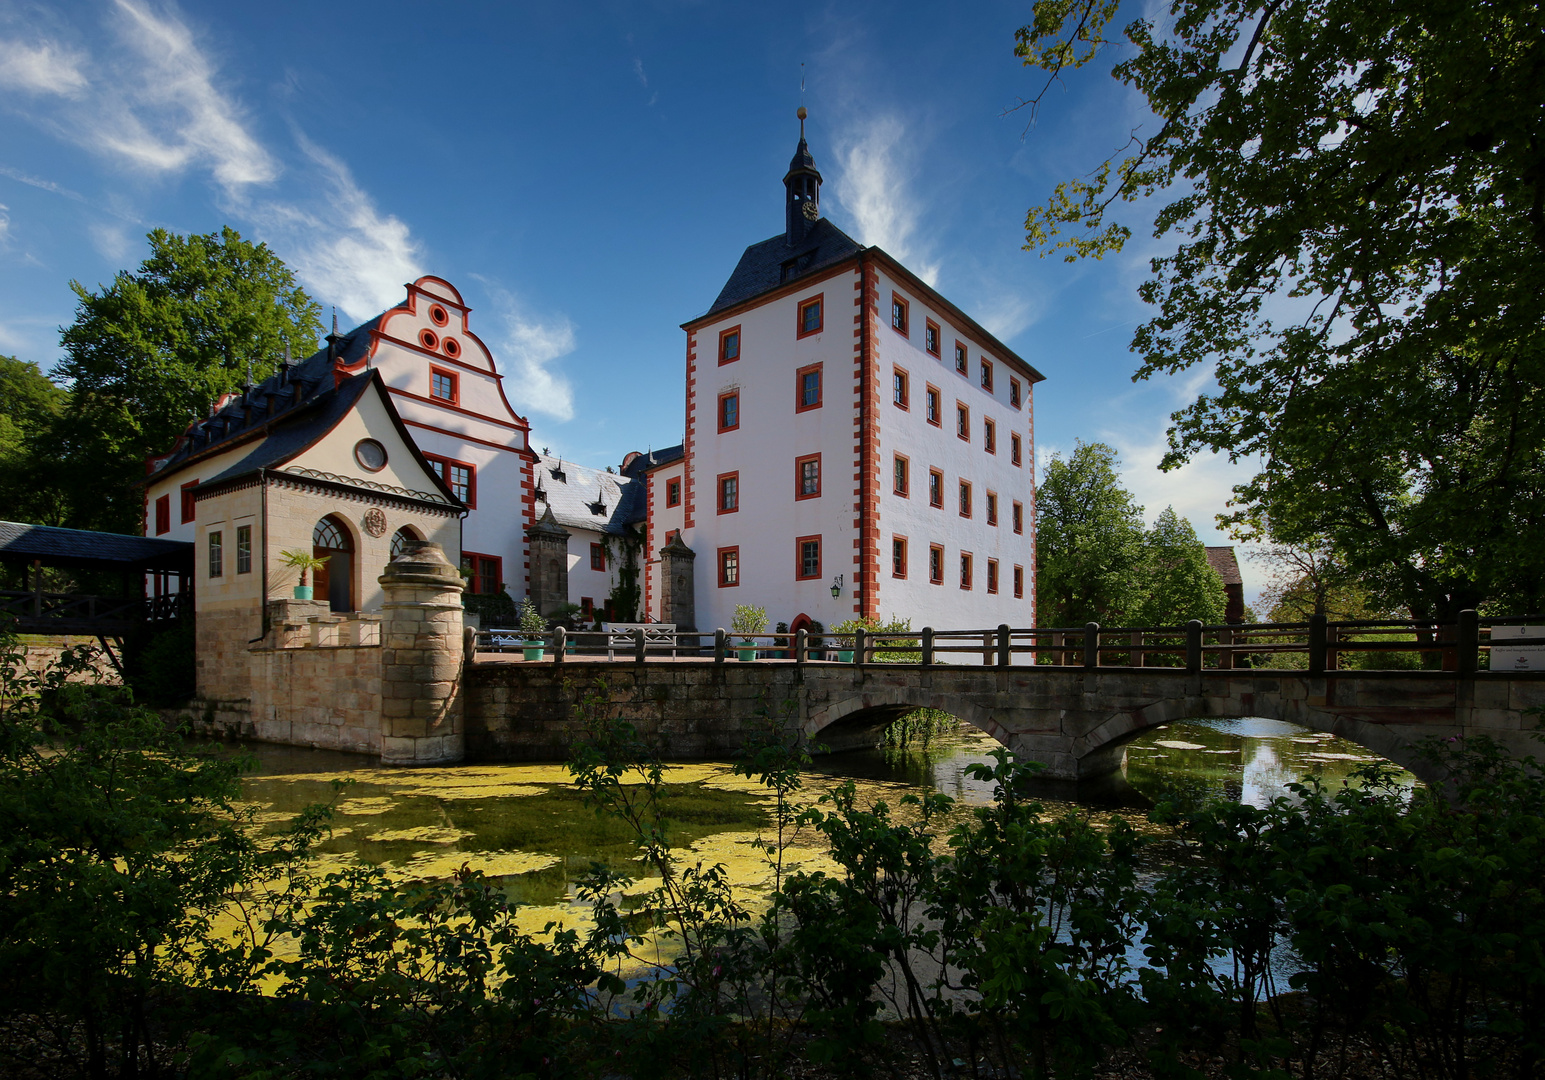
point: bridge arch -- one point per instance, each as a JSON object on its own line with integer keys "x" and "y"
{"x": 876, "y": 707}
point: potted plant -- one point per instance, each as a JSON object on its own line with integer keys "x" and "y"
{"x": 848, "y": 630}
{"x": 748, "y": 622}
{"x": 534, "y": 627}
{"x": 306, "y": 562}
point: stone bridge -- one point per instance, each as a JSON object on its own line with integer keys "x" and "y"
{"x": 1075, "y": 721}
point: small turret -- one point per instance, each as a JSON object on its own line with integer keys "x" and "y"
{"x": 802, "y": 204}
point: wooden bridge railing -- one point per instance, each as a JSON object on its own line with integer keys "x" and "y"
{"x": 38, "y": 612}
{"x": 1316, "y": 646}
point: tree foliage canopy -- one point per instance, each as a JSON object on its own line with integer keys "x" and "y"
{"x": 1357, "y": 197}
{"x": 30, "y": 406}
{"x": 1095, "y": 562}
{"x": 149, "y": 353}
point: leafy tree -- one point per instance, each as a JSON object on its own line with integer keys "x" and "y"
{"x": 1357, "y": 198}
{"x": 1309, "y": 581}
{"x": 149, "y": 353}
{"x": 30, "y": 406}
{"x": 1089, "y": 541}
{"x": 1180, "y": 583}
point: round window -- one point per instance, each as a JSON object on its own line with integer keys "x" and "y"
{"x": 428, "y": 338}
{"x": 452, "y": 348}
{"x": 370, "y": 454}
{"x": 439, "y": 315}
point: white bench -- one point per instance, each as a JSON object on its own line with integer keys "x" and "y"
{"x": 619, "y": 635}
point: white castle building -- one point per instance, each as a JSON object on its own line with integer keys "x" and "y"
{"x": 856, "y": 447}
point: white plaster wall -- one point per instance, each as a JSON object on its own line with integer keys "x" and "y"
{"x": 771, "y": 436}
{"x": 663, "y": 520}
{"x": 584, "y": 581}
{"x": 907, "y": 432}
{"x": 172, "y": 485}
{"x": 334, "y": 452}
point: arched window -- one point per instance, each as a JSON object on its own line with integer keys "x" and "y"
{"x": 402, "y": 538}
{"x": 330, "y": 539}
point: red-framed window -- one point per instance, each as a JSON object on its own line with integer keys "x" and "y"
{"x": 459, "y": 476}
{"x": 1019, "y": 582}
{"x": 901, "y": 475}
{"x": 807, "y": 555}
{"x": 962, "y": 359}
{"x": 1016, "y": 448}
{"x": 989, "y": 436}
{"x": 992, "y": 575}
{"x": 1014, "y": 398}
{"x": 931, "y": 337}
{"x": 900, "y": 319}
{"x": 244, "y": 549}
{"x": 729, "y": 567}
{"x": 729, "y": 345}
{"x": 1018, "y": 516}
{"x": 163, "y": 515}
{"x": 598, "y": 557}
{"x": 898, "y": 556}
{"x": 936, "y": 489}
{"x": 812, "y": 315}
{"x": 992, "y": 508}
{"x": 729, "y": 410}
{"x": 484, "y": 573}
{"x": 727, "y": 492}
{"x": 965, "y": 498}
{"x": 901, "y": 393}
{"x": 965, "y": 570}
{"x": 216, "y": 554}
{"x": 587, "y": 606}
{"x": 931, "y": 404}
{"x": 962, "y": 421}
{"x": 673, "y": 493}
{"x": 935, "y": 564}
{"x": 987, "y": 375}
{"x": 188, "y": 507}
{"x": 807, "y": 477}
{"x": 444, "y": 386}
{"x": 807, "y": 388}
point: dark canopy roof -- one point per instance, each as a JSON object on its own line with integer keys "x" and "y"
{"x": 85, "y": 550}
{"x": 761, "y": 267}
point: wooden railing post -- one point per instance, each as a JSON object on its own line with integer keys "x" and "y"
{"x": 860, "y": 643}
{"x": 1059, "y": 655}
{"x": 801, "y": 645}
{"x": 638, "y": 644}
{"x": 1137, "y": 648}
{"x": 560, "y": 643}
{"x": 718, "y": 646}
{"x": 927, "y": 646}
{"x": 1091, "y": 645}
{"x": 1194, "y": 646}
{"x": 1469, "y": 643}
{"x": 1317, "y": 628}
{"x": 1226, "y": 654}
{"x": 1005, "y": 646}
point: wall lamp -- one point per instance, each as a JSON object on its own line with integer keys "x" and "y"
{"x": 837, "y": 586}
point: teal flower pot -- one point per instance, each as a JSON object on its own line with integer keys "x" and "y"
{"x": 747, "y": 655}
{"x": 303, "y": 592}
{"x": 845, "y": 656}
{"x": 534, "y": 650}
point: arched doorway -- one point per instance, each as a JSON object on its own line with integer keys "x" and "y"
{"x": 335, "y": 580}
{"x": 402, "y": 538}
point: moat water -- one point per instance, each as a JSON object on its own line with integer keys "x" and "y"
{"x": 529, "y": 827}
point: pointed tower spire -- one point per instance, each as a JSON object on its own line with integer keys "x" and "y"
{"x": 802, "y": 203}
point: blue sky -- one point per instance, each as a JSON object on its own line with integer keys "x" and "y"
{"x": 587, "y": 174}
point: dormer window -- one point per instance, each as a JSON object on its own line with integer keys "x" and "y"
{"x": 558, "y": 474}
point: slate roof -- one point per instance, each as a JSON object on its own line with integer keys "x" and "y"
{"x": 1223, "y": 562}
{"x": 91, "y": 550}
{"x": 653, "y": 459}
{"x": 244, "y": 411}
{"x": 761, "y": 266}
{"x": 588, "y": 498}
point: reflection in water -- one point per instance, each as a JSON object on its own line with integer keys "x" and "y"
{"x": 528, "y": 825}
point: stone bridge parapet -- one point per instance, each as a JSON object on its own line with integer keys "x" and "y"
{"x": 1076, "y": 722}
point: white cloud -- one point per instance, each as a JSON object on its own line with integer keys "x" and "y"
{"x": 46, "y": 68}
{"x": 112, "y": 242}
{"x": 527, "y": 352}
{"x": 638, "y": 69}
{"x": 38, "y": 182}
{"x": 5, "y": 223}
{"x": 1008, "y": 314}
{"x": 341, "y": 246}
{"x": 875, "y": 165}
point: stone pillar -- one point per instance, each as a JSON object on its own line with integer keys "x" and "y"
{"x": 421, "y": 659}
{"x": 548, "y": 544}
{"x": 677, "y": 598}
